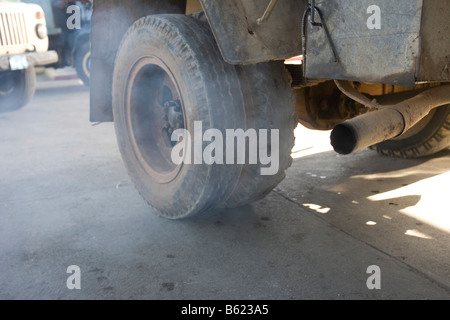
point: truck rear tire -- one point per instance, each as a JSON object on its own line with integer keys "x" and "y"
{"x": 429, "y": 136}
{"x": 168, "y": 75}
{"x": 16, "y": 88}
{"x": 269, "y": 104}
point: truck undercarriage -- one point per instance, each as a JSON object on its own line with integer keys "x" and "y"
{"x": 376, "y": 73}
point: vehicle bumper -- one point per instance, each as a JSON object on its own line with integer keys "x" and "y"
{"x": 33, "y": 58}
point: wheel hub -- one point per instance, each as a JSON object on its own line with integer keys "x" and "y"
{"x": 155, "y": 112}
{"x": 173, "y": 119}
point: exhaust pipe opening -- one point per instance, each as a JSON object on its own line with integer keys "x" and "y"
{"x": 366, "y": 130}
{"x": 387, "y": 122}
{"x": 343, "y": 139}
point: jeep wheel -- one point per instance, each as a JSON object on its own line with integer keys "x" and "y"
{"x": 16, "y": 88}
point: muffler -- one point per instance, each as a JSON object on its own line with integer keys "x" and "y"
{"x": 386, "y": 121}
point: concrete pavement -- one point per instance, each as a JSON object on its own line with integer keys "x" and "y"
{"x": 66, "y": 199}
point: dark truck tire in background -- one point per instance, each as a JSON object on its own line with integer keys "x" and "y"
{"x": 429, "y": 136}
{"x": 82, "y": 61}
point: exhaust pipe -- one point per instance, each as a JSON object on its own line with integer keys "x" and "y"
{"x": 387, "y": 122}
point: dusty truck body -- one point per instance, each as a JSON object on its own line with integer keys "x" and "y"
{"x": 375, "y": 72}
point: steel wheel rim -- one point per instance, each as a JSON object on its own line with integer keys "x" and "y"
{"x": 151, "y": 94}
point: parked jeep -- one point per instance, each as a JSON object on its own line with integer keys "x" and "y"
{"x": 69, "y": 26}
{"x": 23, "y": 45}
